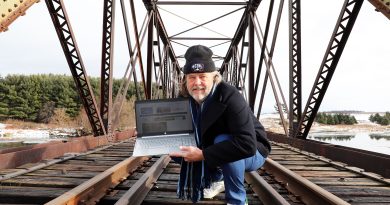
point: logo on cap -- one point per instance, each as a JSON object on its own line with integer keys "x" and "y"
{"x": 197, "y": 67}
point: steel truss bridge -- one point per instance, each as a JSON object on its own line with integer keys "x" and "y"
{"x": 247, "y": 64}
{"x": 156, "y": 55}
{"x": 156, "y": 58}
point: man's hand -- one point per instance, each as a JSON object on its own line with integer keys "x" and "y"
{"x": 189, "y": 154}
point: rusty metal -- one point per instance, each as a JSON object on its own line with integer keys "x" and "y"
{"x": 251, "y": 62}
{"x": 270, "y": 55}
{"x": 136, "y": 194}
{"x": 370, "y": 161}
{"x": 202, "y": 24}
{"x": 65, "y": 34}
{"x": 149, "y": 58}
{"x": 128, "y": 40}
{"x": 266, "y": 193}
{"x": 137, "y": 41}
{"x": 265, "y": 39}
{"x": 295, "y": 66}
{"x": 272, "y": 75}
{"x": 10, "y": 10}
{"x": 122, "y": 92}
{"x": 94, "y": 189}
{"x": 107, "y": 61}
{"x": 238, "y": 36}
{"x": 337, "y": 164}
{"x": 52, "y": 150}
{"x": 197, "y": 3}
{"x": 344, "y": 25}
{"x": 309, "y": 192}
{"x": 47, "y": 163}
{"x": 383, "y": 6}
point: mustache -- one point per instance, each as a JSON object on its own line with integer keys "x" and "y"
{"x": 198, "y": 87}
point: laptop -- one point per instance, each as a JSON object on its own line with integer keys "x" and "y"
{"x": 163, "y": 126}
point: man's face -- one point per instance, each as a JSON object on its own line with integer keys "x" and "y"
{"x": 199, "y": 85}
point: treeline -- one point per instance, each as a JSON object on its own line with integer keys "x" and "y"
{"x": 34, "y": 97}
{"x": 382, "y": 120}
{"x": 335, "y": 119}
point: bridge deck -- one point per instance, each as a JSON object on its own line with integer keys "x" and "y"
{"x": 47, "y": 183}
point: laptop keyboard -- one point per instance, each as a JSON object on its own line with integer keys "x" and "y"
{"x": 156, "y": 145}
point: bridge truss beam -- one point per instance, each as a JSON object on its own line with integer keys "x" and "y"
{"x": 72, "y": 54}
{"x": 107, "y": 61}
{"x": 344, "y": 25}
{"x": 295, "y": 67}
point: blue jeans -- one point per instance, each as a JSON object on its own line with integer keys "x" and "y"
{"x": 233, "y": 174}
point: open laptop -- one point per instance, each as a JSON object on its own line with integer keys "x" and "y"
{"x": 163, "y": 126}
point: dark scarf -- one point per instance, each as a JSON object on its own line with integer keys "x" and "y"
{"x": 195, "y": 176}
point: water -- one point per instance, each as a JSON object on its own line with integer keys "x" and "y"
{"x": 18, "y": 137}
{"x": 375, "y": 142}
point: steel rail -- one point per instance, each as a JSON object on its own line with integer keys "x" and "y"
{"x": 267, "y": 194}
{"x": 309, "y": 192}
{"x": 336, "y": 164}
{"x": 94, "y": 189}
{"x": 137, "y": 193}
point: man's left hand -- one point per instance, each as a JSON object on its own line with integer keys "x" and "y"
{"x": 189, "y": 154}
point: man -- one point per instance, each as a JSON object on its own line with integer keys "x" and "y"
{"x": 230, "y": 138}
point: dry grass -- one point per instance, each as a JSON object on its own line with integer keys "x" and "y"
{"x": 62, "y": 120}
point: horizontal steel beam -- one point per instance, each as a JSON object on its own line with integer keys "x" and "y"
{"x": 32, "y": 154}
{"x": 200, "y": 38}
{"x": 196, "y": 3}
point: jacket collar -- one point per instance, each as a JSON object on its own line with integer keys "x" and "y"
{"x": 213, "y": 110}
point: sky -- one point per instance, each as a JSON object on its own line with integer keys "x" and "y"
{"x": 360, "y": 82}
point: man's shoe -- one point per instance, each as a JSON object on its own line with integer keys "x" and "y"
{"x": 215, "y": 188}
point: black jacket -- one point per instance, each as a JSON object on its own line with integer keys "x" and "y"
{"x": 227, "y": 112}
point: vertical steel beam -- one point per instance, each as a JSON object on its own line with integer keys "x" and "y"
{"x": 149, "y": 60}
{"x": 295, "y": 81}
{"x": 107, "y": 64}
{"x": 344, "y": 25}
{"x": 251, "y": 62}
{"x": 72, "y": 54}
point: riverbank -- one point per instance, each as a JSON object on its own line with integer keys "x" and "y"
{"x": 272, "y": 123}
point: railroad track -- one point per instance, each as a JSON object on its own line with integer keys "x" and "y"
{"x": 109, "y": 176}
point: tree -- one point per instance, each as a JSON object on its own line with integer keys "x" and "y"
{"x": 46, "y": 112}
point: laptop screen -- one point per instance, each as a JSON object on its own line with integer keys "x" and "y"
{"x": 163, "y": 116}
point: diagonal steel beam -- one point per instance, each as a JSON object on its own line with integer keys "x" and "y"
{"x": 344, "y": 25}
{"x": 106, "y": 64}
{"x": 68, "y": 42}
{"x": 242, "y": 26}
